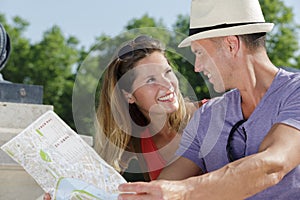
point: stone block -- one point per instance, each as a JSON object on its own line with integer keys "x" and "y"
{"x": 21, "y": 93}
{"x": 19, "y": 116}
{"x": 15, "y": 182}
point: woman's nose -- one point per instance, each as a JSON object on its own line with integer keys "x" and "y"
{"x": 165, "y": 82}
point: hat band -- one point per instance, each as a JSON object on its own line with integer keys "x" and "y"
{"x": 193, "y": 31}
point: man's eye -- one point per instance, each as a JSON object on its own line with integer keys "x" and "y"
{"x": 169, "y": 71}
{"x": 198, "y": 53}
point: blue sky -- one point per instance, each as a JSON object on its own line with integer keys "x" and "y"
{"x": 88, "y": 19}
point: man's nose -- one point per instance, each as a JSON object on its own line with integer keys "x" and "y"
{"x": 198, "y": 66}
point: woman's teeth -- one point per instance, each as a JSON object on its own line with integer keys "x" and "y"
{"x": 167, "y": 97}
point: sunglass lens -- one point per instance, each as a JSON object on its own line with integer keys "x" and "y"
{"x": 142, "y": 38}
{"x": 125, "y": 52}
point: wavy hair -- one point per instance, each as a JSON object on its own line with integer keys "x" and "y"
{"x": 118, "y": 121}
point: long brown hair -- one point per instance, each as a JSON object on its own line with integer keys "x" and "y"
{"x": 119, "y": 121}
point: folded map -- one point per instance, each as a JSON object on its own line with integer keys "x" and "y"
{"x": 61, "y": 162}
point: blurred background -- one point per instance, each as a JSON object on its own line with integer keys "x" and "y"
{"x": 51, "y": 39}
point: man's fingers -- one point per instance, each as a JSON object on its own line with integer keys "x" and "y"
{"x": 140, "y": 190}
{"x": 137, "y": 187}
{"x": 144, "y": 196}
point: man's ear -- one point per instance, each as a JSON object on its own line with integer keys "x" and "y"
{"x": 232, "y": 43}
{"x": 129, "y": 97}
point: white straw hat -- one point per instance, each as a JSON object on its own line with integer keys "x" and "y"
{"x": 216, "y": 18}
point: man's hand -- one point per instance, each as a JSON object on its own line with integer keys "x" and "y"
{"x": 154, "y": 190}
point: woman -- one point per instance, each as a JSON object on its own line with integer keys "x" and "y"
{"x": 141, "y": 110}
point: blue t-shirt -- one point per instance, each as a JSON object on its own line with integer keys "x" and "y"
{"x": 205, "y": 138}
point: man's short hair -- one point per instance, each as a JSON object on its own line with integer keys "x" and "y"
{"x": 254, "y": 41}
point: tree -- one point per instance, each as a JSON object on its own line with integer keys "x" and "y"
{"x": 47, "y": 63}
{"x": 51, "y": 62}
{"x": 56, "y": 62}
{"x": 15, "y": 69}
{"x": 282, "y": 41}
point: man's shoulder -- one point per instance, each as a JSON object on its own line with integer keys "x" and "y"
{"x": 219, "y": 104}
{"x": 287, "y": 81}
{"x": 224, "y": 98}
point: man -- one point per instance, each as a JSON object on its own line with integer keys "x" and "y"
{"x": 245, "y": 144}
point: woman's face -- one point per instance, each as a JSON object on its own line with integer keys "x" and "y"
{"x": 155, "y": 87}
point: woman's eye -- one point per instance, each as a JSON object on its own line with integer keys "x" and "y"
{"x": 150, "y": 80}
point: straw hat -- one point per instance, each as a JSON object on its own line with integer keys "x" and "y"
{"x": 216, "y": 18}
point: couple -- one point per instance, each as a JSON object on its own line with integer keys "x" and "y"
{"x": 244, "y": 144}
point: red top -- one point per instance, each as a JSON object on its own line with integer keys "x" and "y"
{"x": 154, "y": 160}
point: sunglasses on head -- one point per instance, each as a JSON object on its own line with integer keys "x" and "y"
{"x": 131, "y": 47}
{"x": 237, "y": 138}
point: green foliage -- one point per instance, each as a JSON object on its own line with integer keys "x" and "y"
{"x": 20, "y": 45}
{"x": 51, "y": 62}
{"x": 57, "y": 63}
{"x": 182, "y": 24}
{"x": 144, "y": 21}
{"x": 282, "y": 43}
{"x": 48, "y": 63}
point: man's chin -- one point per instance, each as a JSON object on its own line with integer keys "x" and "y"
{"x": 219, "y": 89}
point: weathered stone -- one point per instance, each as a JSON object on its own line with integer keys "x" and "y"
{"x": 21, "y": 93}
{"x": 15, "y": 182}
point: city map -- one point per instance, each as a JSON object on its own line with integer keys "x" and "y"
{"x": 61, "y": 162}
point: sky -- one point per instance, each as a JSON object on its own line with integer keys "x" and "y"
{"x": 90, "y": 18}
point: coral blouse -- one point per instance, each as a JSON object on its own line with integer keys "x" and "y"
{"x": 154, "y": 160}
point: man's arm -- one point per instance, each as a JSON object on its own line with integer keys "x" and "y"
{"x": 180, "y": 169}
{"x": 279, "y": 154}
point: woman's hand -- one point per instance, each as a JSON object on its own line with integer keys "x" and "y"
{"x": 47, "y": 196}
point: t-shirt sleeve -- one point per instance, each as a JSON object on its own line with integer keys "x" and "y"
{"x": 289, "y": 112}
{"x": 189, "y": 145}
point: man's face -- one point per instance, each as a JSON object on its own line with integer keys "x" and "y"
{"x": 210, "y": 60}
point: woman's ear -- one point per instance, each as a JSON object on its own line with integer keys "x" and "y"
{"x": 129, "y": 97}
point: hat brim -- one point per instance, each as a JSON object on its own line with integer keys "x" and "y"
{"x": 236, "y": 30}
